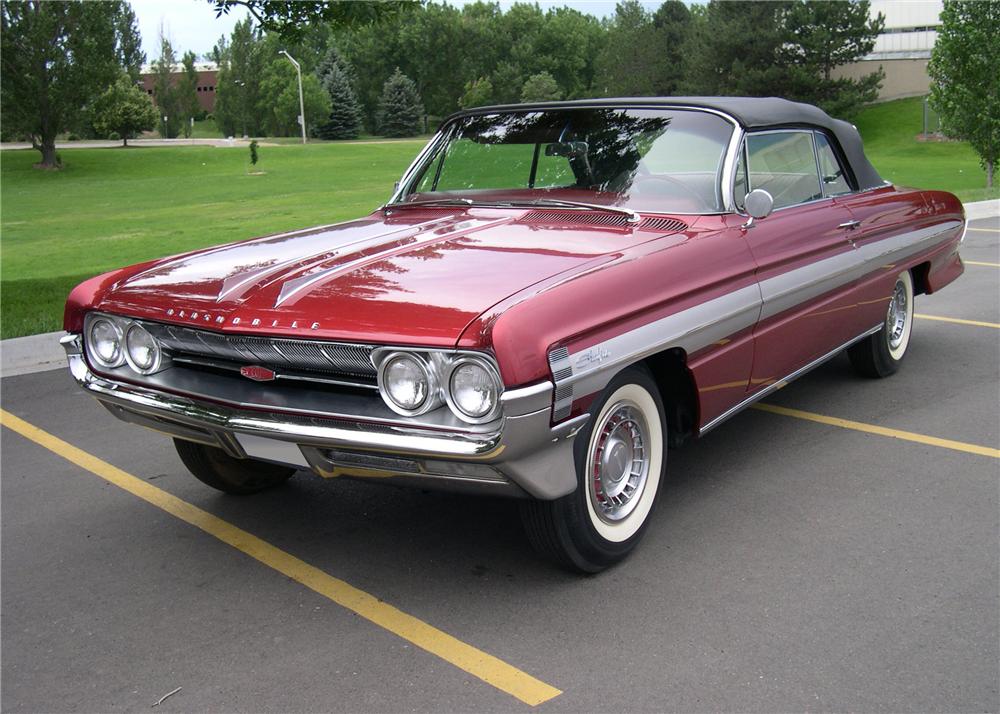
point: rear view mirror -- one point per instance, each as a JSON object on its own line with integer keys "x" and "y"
{"x": 569, "y": 149}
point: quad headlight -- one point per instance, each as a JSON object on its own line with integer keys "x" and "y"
{"x": 113, "y": 341}
{"x": 104, "y": 342}
{"x": 408, "y": 383}
{"x": 142, "y": 351}
{"x": 473, "y": 388}
{"x": 415, "y": 382}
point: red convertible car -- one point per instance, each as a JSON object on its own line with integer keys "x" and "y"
{"x": 554, "y": 295}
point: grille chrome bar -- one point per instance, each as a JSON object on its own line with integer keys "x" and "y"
{"x": 336, "y": 363}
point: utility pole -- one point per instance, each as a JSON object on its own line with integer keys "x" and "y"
{"x": 302, "y": 108}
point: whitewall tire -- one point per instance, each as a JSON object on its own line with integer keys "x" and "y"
{"x": 620, "y": 461}
{"x": 880, "y": 354}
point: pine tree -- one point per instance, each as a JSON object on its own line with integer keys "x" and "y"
{"x": 345, "y": 111}
{"x": 400, "y": 111}
{"x": 334, "y": 58}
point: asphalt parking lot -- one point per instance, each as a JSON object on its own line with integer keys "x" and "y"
{"x": 839, "y": 553}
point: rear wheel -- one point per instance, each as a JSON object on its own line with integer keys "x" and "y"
{"x": 216, "y": 468}
{"x": 880, "y": 355}
{"x": 620, "y": 460}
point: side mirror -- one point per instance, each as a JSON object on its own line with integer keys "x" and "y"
{"x": 758, "y": 204}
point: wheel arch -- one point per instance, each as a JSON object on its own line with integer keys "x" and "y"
{"x": 920, "y": 274}
{"x": 670, "y": 371}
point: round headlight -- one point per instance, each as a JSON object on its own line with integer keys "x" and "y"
{"x": 106, "y": 342}
{"x": 141, "y": 349}
{"x": 474, "y": 389}
{"x": 405, "y": 382}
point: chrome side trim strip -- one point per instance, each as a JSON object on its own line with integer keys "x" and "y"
{"x": 774, "y": 387}
{"x": 690, "y": 329}
{"x": 700, "y": 326}
{"x": 785, "y": 291}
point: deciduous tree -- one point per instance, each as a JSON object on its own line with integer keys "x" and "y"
{"x": 55, "y": 58}
{"x": 123, "y": 109}
{"x": 965, "y": 74}
{"x": 541, "y": 87}
{"x": 187, "y": 92}
{"x": 129, "y": 44}
{"x": 289, "y": 19}
{"x": 241, "y": 62}
{"x": 645, "y": 53}
{"x": 165, "y": 91}
{"x": 478, "y": 93}
{"x": 279, "y": 99}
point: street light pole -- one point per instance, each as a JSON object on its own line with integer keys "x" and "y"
{"x": 302, "y": 108}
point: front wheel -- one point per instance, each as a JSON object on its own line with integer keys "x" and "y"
{"x": 620, "y": 461}
{"x": 214, "y": 467}
{"x": 880, "y": 355}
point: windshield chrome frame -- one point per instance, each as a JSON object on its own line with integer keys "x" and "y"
{"x": 726, "y": 175}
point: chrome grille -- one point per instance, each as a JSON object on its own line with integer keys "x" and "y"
{"x": 328, "y": 358}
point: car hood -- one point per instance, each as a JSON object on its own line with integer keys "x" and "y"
{"x": 417, "y": 277}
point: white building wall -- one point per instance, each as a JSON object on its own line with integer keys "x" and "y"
{"x": 903, "y": 48}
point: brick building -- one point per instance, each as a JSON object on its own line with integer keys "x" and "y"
{"x": 207, "y": 73}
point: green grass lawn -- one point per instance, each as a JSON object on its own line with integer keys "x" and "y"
{"x": 112, "y": 207}
{"x": 206, "y": 129}
{"x": 890, "y": 133}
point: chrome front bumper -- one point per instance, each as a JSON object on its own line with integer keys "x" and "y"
{"x": 526, "y": 455}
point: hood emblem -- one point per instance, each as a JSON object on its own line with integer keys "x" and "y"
{"x": 257, "y": 373}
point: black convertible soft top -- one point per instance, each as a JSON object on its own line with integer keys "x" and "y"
{"x": 750, "y": 112}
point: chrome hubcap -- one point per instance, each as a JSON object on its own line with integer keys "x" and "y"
{"x": 895, "y": 319}
{"x": 619, "y": 462}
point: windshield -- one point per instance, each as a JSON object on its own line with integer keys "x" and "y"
{"x": 662, "y": 160}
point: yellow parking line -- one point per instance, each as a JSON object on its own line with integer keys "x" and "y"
{"x": 985, "y": 230}
{"x": 479, "y": 664}
{"x": 979, "y": 262}
{"x": 881, "y": 430}
{"x": 975, "y": 323}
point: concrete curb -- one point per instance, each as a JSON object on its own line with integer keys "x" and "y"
{"x": 982, "y": 209}
{"x": 34, "y": 353}
{"x": 40, "y": 353}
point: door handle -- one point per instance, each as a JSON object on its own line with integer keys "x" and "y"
{"x": 849, "y": 225}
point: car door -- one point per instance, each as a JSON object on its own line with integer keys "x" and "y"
{"x": 882, "y": 216}
{"x": 804, "y": 255}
